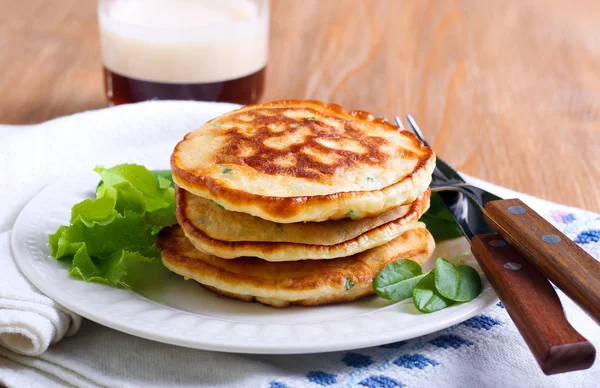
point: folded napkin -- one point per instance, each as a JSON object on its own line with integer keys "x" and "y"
{"x": 485, "y": 351}
{"x": 29, "y": 320}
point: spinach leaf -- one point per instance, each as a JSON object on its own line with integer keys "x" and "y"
{"x": 460, "y": 284}
{"x": 439, "y": 220}
{"x": 426, "y": 298}
{"x": 396, "y": 280}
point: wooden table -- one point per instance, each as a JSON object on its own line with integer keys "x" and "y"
{"x": 508, "y": 91}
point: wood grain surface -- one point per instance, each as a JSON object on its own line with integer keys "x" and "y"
{"x": 508, "y": 91}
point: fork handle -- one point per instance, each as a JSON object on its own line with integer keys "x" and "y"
{"x": 562, "y": 261}
{"x": 533, "y": 306}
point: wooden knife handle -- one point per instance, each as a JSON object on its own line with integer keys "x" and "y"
{"x": 562, "y": 261}
{"x": 533, "y": 306}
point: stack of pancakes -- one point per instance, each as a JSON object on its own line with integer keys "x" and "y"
{"x": 297, "y": 202}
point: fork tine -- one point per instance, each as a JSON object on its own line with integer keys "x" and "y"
{"x": 399, "y": 122}
{"x": 416, "y": 130}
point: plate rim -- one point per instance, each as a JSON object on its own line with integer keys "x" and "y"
{"x": 487, "y": 299}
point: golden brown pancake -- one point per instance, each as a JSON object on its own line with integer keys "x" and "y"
{"x": 208, "y": 218}
{"x": 230, "y": 234}
{"x": 306, "y": 282}
{"x": 300, "y": 161}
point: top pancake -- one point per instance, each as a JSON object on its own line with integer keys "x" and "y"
{"x": 294, "y": 161}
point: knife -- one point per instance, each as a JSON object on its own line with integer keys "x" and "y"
{"x": 527, "y": 295}
{"x": 562, "y": 261}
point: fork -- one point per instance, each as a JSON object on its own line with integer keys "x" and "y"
{"x": 562, "y": 261}
{"x": 528, "y": 296}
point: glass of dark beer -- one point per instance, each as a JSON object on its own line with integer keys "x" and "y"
{"x": 206, "y": 50}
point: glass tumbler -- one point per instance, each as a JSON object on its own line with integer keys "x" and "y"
{"x": 206, "y": 50}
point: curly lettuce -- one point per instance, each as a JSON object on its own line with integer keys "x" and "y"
{"x": 116, "y": 231}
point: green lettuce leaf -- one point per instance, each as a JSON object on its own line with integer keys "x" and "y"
{"x": 53, "y": 239}
{"x": 116, "y": 231}
{"x": 91, "y": 212}
{"x": 125, "y": 232}
{"x": 139, "y": 178}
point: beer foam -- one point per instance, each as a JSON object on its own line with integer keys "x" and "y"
{"x": 183, "y": 41}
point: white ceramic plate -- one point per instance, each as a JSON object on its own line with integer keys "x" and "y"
{"x": 183, "y": 313}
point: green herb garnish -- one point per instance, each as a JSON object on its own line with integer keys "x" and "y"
{"x": 426, "y": 297}
{"x": 370, "y": 179}
{"x": 460, "y": 284}
{"x": 348, "y": 284}
{"x": 220, "y": 206}
{"x": 117, "y": 230}
{"x": 431, "y": 291}
{"x": 351, "y": 214}
{"x": 397, "y": 280}
{"x": 226, "y": 170}
{"x": 312, "y": 117}
{"x": 439, "y": 220}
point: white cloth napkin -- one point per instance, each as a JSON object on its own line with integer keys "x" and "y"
{"x": 29, "y": 320}
{"x": 485, "y": 351}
